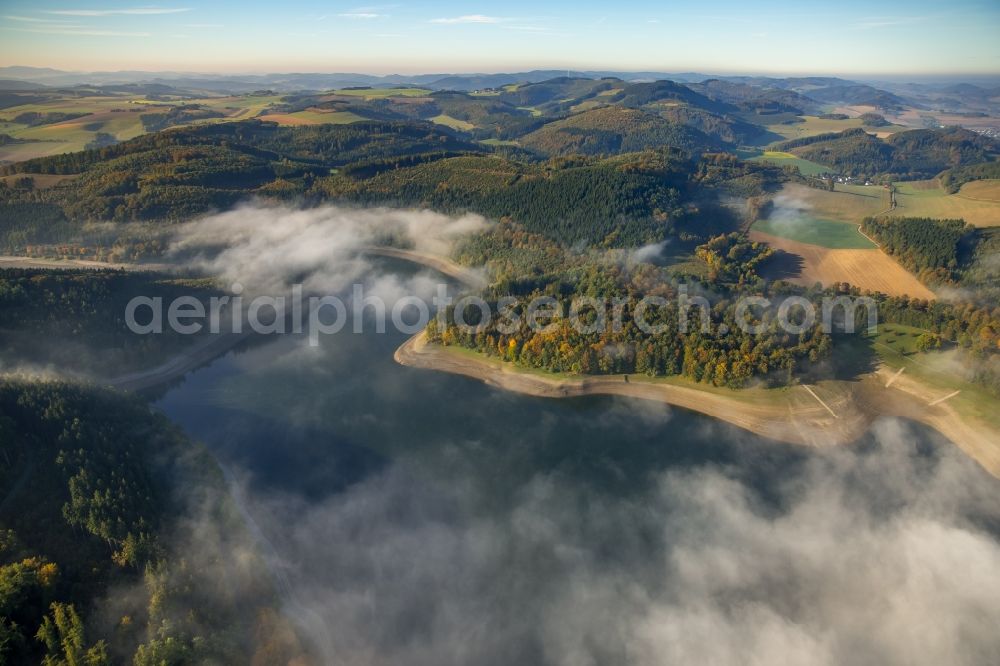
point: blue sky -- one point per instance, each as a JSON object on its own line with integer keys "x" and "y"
{"x": 842, "y": 37}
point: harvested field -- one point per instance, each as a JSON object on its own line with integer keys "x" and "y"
{"x": 454, "y": 123}
{"x": 981, "y": 190}
{"x": 40, "y": 181}
{"x": 310, "y": 117}
{"x": 978, "y": 202}
{"x": 805, "y": 167}
{"x": 849, "y": 203}
{"x": 872, "y": 270}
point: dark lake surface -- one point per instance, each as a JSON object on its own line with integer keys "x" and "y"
{"x": 408, "y": 510}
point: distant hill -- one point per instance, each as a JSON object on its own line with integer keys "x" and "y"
{"x": 180, "y": 173}
{"x": 565, "y": 90}
{"x": 640, "y": 94}
{"x": 861, "y": 95}
{"x": 15, "y": 84}
{"x": 912, "y": 154}
{"x": 725, "y": 128}
{"x": 755, "y": 98}
{"x": 612, "y": 129}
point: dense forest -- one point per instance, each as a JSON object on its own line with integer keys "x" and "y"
{"x": 90, "y": 498}
{"x": 629, "y": 200}
{"x": 621, "y": 200}
{"x": 909, "y": 155}
{"x": 721, "y": 354}
{"x": 74, "y": 320}
{"x": 527, "y": 265}
{"x": 927, "y": 247}
{"x": 611, "y": 130}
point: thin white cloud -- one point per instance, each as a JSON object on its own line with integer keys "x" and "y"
{"x": 528, "y": 28}
{"x": 360, "y": 15}
{"x": 469, "y": 18}
{"x": 203, "y": 26}
{"x": 31, "y": 19}
{"x": 81, "y": 32}
{"x": 875, "y": 22}
{"x": 131, "y": 11}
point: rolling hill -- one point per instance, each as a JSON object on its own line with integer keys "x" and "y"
{"x": 907, "y": 155}
{"x": 609, "y": 130}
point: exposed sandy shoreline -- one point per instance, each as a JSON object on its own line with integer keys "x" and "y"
{"x": 7, "y": 261}
{"x": 794, "y": 415}
{"x": 441, "y": 264}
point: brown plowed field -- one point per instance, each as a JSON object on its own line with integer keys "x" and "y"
{"x": 867, "y": 269}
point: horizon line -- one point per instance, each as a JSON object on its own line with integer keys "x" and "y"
{"x": 512, "y": 71}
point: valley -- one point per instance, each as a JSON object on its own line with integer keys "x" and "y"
{"x": 709, "y": 361}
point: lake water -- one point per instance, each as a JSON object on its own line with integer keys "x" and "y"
{"x": 420, "y": 517}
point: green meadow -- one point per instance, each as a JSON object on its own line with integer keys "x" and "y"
{"x": 454, "y": 123}
{"x": 372, "y": 93}
{"x": 805, "y": 167}
{"x": 816, "y": 231}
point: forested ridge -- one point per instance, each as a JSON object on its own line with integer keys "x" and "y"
{"x": 909, "y": 155}
{"x": 617, "y": 200}
{"x": 953, "y": 179}
{"x": 90, "y": 494}
{"x": 612, "y": 129}
{"x": 74, "y": 320}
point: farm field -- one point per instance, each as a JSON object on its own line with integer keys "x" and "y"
{"x": 310, "y": 117}
{"x": 817, "y": 231}
{"x": 499, "y": 142}
{"x": 16, "y": 152}
{"x": 978, "y": 202}
{"x": 805, "y": 167}
{"x": 869, "y": 269}
{"x": 376, "y": 93}
{"x": 40, "y": 181}
{"x": 847, "y": 203}
{"x": 813, "y": 125}
{"x": 454, "y": 123}
{"x": 982, "y": 190}
{"x": 240, "y": 107}
{"x": 919, "y": 118}
{"x": 117, "y": 115}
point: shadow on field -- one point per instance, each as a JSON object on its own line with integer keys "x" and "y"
{"x": 782, "y": 265}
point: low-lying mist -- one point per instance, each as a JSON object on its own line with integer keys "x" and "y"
{"x": 269, "y": 248}
{"x": 871, "y": 557}
{"x": 881, "y": 553}
{"x": 788, "y": 213}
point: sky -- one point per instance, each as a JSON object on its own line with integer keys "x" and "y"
{"x": 728, "y": 36}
